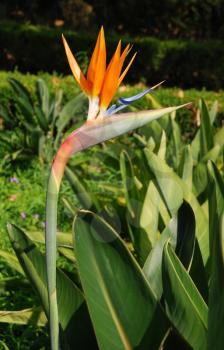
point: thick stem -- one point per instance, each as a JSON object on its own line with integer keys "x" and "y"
{"x": 57, "y": 171}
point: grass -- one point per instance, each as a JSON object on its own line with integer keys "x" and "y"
{"x": 23, "y": 192}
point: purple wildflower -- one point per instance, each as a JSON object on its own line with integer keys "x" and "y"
{"x": 37, "y": 216}
{"x": 14, "y": 179}
{"x": 23, "y": 215}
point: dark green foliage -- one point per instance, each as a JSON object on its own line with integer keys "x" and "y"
{"x": 184, "y": 63}
{"x": 35, "y": 126}
{"x": 164, "y": 18}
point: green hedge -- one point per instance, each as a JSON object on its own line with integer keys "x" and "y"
{"x": 182, "y": 63}
{"x": 166, "y": 96}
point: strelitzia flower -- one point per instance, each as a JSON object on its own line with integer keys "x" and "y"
{"x": 102, "y": 81}
{"x": 102, "y": 124}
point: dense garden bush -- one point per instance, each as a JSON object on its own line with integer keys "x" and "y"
{"x": 166, "y": 18}
{"x": 184, "y": 63}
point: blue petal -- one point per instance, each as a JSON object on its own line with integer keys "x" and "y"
{"x": 115, "y": 109}
{"x": 124, "y": 102}
{"x": 110, "y": 110}
{"x": 128, "y": 100}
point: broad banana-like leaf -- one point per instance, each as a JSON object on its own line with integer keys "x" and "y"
{"x": 213, "y": 112}
{"x": 63, "y": 239}
{"x": 206, "y": 134}
{"x": 87, "y": 200}
{"x": 186, "y": 166}
{"x": 71, "y": 304}
{"x": 20, "y": 90}
{"x": 11, "y": 261}
{"x": 185, "y": 235}
{"x": 219, "y": 137}
{"x": 162, "y": 147}
{"x": 122, "y": 305}
{"x": 216, "y": 228}
{"x": 153, "y": 265}
{"x": 150, "y": 213}
{"x": 43, "y": 96}
{"x": 3, "y": 345}
{"x": 74, "y": 106}
{"x": 200, "y": 178}
{"x": 35, "y": 316}
{"x": 175, "y": 138}
{"x": 184, "y": 304}
{"x": 41, "y": 119}
{"x": 134, "y": 200}
{"x": 198, "y": 272}
{"x": 181, "y": 234}
{"x": 168, "y": 183}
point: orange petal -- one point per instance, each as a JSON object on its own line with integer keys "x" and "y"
{"x": 124, "y": 55}
{"x": 126, "y": 69}
{"x": 111, "y": 79}
{"x": 97, "y": 66}
{"x": 85, "y": 86}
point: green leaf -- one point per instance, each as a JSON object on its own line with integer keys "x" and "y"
{"x": 168, "y": 183}
{"x": 185, "y": 306}
{"x": 86, "y": 199}
{"x": 206, "y": 134}
{"x": 195, "y": 146}
{"x": 41, "y": 119}
{"x": 43, "y": 96}
{"x": 176, "y": 141}
{"x": 213, "y": 112}
{"x": 153, "y": 264}
{"x": 4, "y": 346}
{"x": 123, "y": 308}
{"x": 69, "y": 111}
{"x": 186, "y": 166}
{"x": 181, "y": 234}
{"x": 63, "y": 239}
{"x": 11, "y": 261}
{"x": 27, "y": 111}
{"x": 35, "y": 316}
{"x": 219, "y": 137}
{"x": 185, "y": 235}
{"x": 149, "y": 219}
{"x": 20, "y": 90}
{"x": 134, "y": 200}
{"x": 6, "y": 115}
{"x": 71, "y": 305}
{"x": 67, "y": 253}
{"x": 216, "y": 228}
{"x": 200, "y": 178}
{"x": 198, "y": 272}
{"x": 162, "y": 147}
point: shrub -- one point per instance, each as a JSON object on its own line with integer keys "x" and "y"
{"x": 188, "y": 63}
{"x": 37, "y": 125}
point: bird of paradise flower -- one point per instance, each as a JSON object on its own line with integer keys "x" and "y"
{"x": 102, "y": 124}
